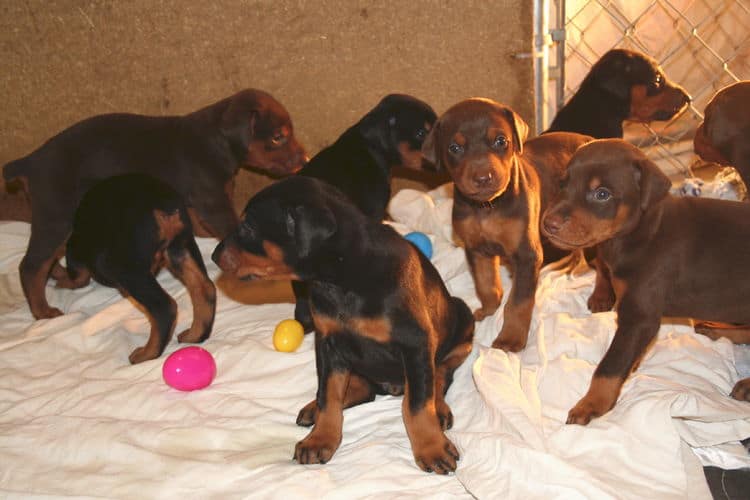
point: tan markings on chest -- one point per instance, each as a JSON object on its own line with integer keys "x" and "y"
{"x": 477, "y": 231}
{"x": 377, "y": 329}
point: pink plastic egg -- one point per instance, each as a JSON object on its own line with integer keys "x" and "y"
{"x": 189, "y": 368}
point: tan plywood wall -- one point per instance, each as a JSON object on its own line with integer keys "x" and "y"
{"x": 328, "y": 61}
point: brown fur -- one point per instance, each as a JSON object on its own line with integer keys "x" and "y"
{"x": 676, "y": 257}
{"x": 501, "y": 186}
{"x": 724, "y": 135}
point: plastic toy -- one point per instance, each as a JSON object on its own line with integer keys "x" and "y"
{"x": 189, "y": 369}
{"x": 421, "y": 241}
{"x": 288, "y": 335}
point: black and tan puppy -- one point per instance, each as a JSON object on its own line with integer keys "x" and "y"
{"x": 724, "y": 135}
{"x": 360, "y": 162}
{"x": 501, "y": 187}
{"x": 622, "y": 85}
{"x": 677, "y": 257}
{"x": 197, "y": 154}
{"x": 126, "y": 229}
{"x": 384, "y": 321}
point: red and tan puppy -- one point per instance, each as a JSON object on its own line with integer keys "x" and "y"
{"x": 667, "y": 256}
{"x": 196, "y": 154}
{"x": 501, "y": 187}
{"x": 724, "y": 135}
{"x": 384, "y": 320}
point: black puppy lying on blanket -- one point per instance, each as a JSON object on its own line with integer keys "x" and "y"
{"x": 360, "y": 162}
{"x": 384, "y": 320}
{"x": 125, "y": 230}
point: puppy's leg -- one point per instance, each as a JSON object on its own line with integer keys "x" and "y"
{"x": 486, "y": 273}
{"x": 45, "y": 247}
{"x": 217, "y": 215}
{"x": 77, "y": 275}
{"x": 433, "y": 451}
{"x": 302, "y": 306}
{"x": 324, "y": 439}
{"x": 160, "y": 308}
{"x": 461, "y": 338}
{"x": 185, "y": 262}
{"x": 520, "y": 305}
{"x": 358, "y": 391}
{"x": 637, "y": 325}
{"x": 603, "y": 298}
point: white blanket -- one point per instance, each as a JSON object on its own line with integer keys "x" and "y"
{"x": 77, "y": 420}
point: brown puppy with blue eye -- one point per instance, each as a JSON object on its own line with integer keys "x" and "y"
{"x": 502, "y": 185}
{"x": 678, "y": 257}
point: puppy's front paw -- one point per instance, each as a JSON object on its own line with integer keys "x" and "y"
{"x": 483, "y": 312}
{"x": 47, "y": 313}
{"x": 308, "y": 414}
{"x": 586, "y": 410}
{"x": 741, "y": 390}
{"x": 439, "y": 456}
{"x": 511, "y": 339}
{"x": 316, "y": 448}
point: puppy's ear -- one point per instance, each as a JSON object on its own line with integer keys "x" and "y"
{"x": 520, "y": 129}
{"x": 430, "y": 147}
{"x": 613, "y": 73}
{"x": 310, "y": 227}
{"x": 654, "y": 185}
{"x": 238, "y": 121}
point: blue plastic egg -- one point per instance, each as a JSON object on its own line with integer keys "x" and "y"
{"x": 421, "y": 241}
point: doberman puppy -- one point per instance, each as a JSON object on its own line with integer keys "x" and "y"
{"x": 384, "y": 320}
{"x": 622, "y": 85}
{"x": 197, "y": 154}
{"x": 501, "y": 187}
{"x": 667, "y": 256}
{"x": 360, "y": 162}
{"x": 125, "y": 230}
{"x": 724, "y": 135}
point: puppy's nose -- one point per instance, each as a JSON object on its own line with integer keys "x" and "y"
{"x": 483, "y": 179}
{"x": 553, "y": 223}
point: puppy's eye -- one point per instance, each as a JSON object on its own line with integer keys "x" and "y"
{"x": 500, "y": 142}
{"x": 421, "y": 134}
{"x": 601, "y": 194}
{"x": 455, "y": 148}
{"x": 278, "y": 139}
{"x": 658, "y": 82}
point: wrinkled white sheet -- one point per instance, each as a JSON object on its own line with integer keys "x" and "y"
{"x": 77, "y": 420}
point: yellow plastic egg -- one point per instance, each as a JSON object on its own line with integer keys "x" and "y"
{"x": 288, "y": 335}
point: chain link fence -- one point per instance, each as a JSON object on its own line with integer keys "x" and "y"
{"x": 703, "y": 45}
